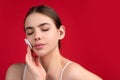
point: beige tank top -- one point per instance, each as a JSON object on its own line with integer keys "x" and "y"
{"x": 61, "y": 74}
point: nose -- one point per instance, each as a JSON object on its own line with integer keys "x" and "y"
{"x": 36, "y": 39}
{"x": 38, "y": 35}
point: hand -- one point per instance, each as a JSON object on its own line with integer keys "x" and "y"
{"x": 34, "y": 66}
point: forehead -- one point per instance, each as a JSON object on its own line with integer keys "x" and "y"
{"x": 35, "y": 19}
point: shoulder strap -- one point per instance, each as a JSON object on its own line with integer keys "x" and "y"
{"x": 25, "y": 69}
{"x": 61, "y": 74}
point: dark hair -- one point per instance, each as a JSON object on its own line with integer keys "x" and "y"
{"x": 48, "y": 11}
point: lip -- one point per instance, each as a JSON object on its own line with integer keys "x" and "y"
{"x": 39, "y": 46}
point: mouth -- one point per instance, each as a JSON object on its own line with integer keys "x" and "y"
{"x": 39, "y": 46}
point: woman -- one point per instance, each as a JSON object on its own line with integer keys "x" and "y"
{"x": 44, "y": 31}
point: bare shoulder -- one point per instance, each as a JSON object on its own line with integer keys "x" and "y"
{"x": 76, "y": 72}
{"x": 15, "y": 72}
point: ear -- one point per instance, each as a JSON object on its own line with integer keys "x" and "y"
{"x": 61, "y": 32}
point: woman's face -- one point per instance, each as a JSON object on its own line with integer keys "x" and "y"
{"x": 42, "y": 33}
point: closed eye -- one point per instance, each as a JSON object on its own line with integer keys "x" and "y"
{"x": 44, "y": 26}
{"x": 29, "y": 33}
{"x": 45, "y": 29}
{"x": 29, "y": 30}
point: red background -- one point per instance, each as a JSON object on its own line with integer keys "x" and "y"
{"x": 92, "y": 33}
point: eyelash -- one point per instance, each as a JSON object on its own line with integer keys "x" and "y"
{"x": 45, "y": 29}
{"x": 33, "y": 32}
{"x": 30, "y": 33}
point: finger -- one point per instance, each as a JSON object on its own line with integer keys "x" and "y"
{"x": 28, "y": 56}
{"x": 28, "y": 49}
{"x": 38, "y": 61}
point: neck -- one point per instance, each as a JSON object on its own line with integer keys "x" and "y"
{"x": 51, "y": 60}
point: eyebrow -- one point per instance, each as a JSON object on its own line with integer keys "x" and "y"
{"x": 29, "y": 27}
{"x": 40, "y": 25}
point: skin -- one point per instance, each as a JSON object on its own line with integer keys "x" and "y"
{"x": 40, "y": 29}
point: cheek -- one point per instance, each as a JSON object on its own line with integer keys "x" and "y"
{"x": 30, "y": 38}
{"x": 53, "y": 36}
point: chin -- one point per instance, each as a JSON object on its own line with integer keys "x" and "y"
{"x": 40, "y": 53}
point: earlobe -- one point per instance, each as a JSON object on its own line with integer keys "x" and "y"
{"x": 62, "y": 32}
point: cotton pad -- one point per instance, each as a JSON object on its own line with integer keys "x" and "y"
{"x": 28, "y": 43}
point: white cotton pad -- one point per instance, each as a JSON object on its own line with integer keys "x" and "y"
{"x": 28, "y": 43}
